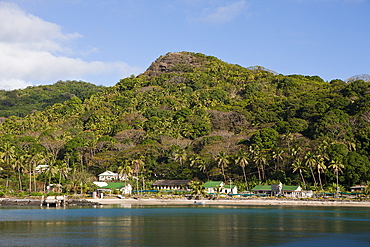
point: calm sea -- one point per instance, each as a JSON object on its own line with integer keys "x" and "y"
{"x": 195, "y": 225}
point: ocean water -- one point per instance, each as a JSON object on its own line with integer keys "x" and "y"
{"x": 194, "y": 225}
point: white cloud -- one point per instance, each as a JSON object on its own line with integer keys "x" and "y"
{"x": 32, "y": 51}
{"x": 223, "y": 13}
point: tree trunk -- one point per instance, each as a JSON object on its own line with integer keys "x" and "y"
{"x": 304, "y": 182}
{"x": 320, "y": 179}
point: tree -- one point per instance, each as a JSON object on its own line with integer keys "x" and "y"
{"x": 138, "y": 164}
{"x": 311, "y": 163}
{"x": 260, "y": 160}
{"x": 197, "y": 188}
{"x": 320, "y": 164}
{"x": 63, "y": 170}
{"x": 299, "y": 166}
{"x": 7, "y": 158}
{"x": 180, "y": 156}
{"x": 222, "y": 162}
{"x": 242, "y": 159}
{"x": 337, "y": 167}
{"x": 124, "y": 170}
{"x": 51, "y": 170}
{"x": 277, "y": 155}
{"x": 19, "y": 165}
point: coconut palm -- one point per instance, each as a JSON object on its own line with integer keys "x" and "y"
{"x": 124, "y": 170}
{"x": 260, "y": 161}
{"x": 19, "y": 166}
{"x": 222, "y": 162}
{"x": 277, "y": 155}
{"x": 311, "y": 163}
{"x": 320, "y": 164}
{"x": 138, "y": 164}
{"x": 51, "y": 171}
{"x": 337, "y": 167}
{"x": 63, "y": 170}
{"x": 180, "y": 156}
{"x": 242, "y": 159}
{"x": 299, "y": 166}
{"x": 7, "y": 158}
{"x": 197, "y": 161}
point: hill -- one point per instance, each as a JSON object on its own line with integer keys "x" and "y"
{"x": 192, "y": 116}
{"x": 36, "y": 98}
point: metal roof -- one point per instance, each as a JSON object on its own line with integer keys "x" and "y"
{"x": 268, "y": 188}
{"x": 171, "y": 183}
{"x": 212, "y": 184}
{"x": 114, "y": 186}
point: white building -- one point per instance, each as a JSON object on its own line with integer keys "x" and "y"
{"x": 108, "y": 176}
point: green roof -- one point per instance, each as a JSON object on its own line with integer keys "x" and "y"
{"x": 227, "y": 186}
{"x": 212, "y": 184}
{"x": 262, "y": 187}
{"x": 289, "y": 188}
{"x": 114, "y": 186}
{"x": 268, "y": 187}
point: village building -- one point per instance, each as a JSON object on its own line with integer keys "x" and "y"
{"x": 124, "y": 188}
{"x": 281, "y": 190}
{"x": 172, "y": 184}
{"x": 214, "y": 187}
{"x": 111, "y": 176}
{"x": 358, "y": 188}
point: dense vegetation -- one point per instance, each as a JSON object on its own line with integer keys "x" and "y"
{"x": 191, "y": 116}
{"x": 36, "y": 98}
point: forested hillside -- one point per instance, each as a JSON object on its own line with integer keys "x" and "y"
{"x": 36, "y": 98}
{"x": 191, "y": 116}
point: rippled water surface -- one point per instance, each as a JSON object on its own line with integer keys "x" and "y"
{"x": 195, "y": 225}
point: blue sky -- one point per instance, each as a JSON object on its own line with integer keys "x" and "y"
{"x": 103, "y": 41}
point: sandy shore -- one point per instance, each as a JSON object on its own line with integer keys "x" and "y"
{"x": 112, "y": 201}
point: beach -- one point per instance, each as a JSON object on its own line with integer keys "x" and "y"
{"x": 231, "y": 202}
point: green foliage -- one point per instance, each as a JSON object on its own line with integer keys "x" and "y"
{"x": 208, "y": 109}
{"x": 24, "y": 101}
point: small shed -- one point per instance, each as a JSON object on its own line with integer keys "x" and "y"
{"x": 172, "y": 184}
{"x": 358, "y": 188}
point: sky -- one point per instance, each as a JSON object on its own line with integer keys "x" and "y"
{"x": 103, "y": 41}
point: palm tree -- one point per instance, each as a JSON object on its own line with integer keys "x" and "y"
{"x": 19, "y": 166}
{"x": 311, "y": 163}
{"x": 242, "y": 159}
{"x": 320, "y": 164}
{"x": 124, "y": 170}
{"x": 7, "y": 158}
{"x": 63, "y": 170}
{"x": 181, "y": 156}
{"x": 197, "y": 188}
{"x": 197, "y": 161}
{"x": 222, "y": 162}
{"x": 260, "y": 161}
{"x": 299, "y": 166}
{"x": 277, "y": 155}
{"x": 39, "y": 159}
{"x": 337, "y": 166}
{"x": 51, "y": 171}
{"x": 288, "y": 137}
{"x": 138, "y": 165}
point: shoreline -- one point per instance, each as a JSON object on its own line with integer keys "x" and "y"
{"x": 244, "y": 202}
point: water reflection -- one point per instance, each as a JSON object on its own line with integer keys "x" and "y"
{"x": 184, "y": 226}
